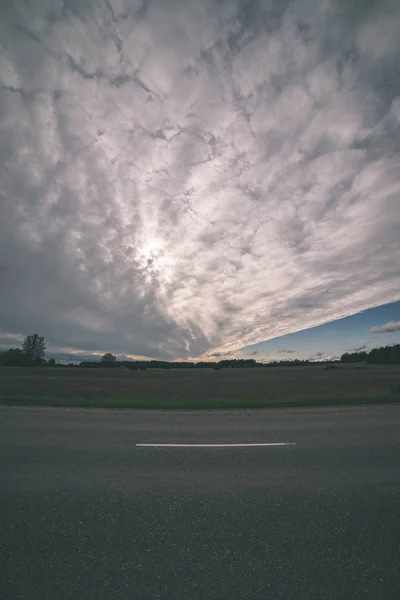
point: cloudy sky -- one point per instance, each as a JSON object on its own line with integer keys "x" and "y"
{"x": 184, "y": 178}
{"x": 366, "y": 330}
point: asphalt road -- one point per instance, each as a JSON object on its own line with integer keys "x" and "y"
{"x": 87, "y": 514}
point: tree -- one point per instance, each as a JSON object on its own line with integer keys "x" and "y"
{"x": 14, "y": 357}
{"x": 51, "y": 362}
{"x": 108, "y": 359}
{"x": 34, "y": 347}
{"x": 354, "y": 357}
{"x": 385, "y": 355}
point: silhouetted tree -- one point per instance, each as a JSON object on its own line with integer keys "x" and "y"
{"x": 395, "y": 355}
{"x": 385, "y": 355}
{"x": 14, "y": 357}
{"x": 108, "y": 359}
{"x": 34, "y": 347}
{"x": 354, "y": 357}
{"x": 51, "y": 362}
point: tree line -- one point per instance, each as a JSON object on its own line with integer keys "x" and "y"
{"x": 110, "y": 362}
{"x": 33, "y": 352}
{"x": 385, "y": 355}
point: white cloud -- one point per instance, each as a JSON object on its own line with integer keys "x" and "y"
{"x": 359, "y": 348}
{"x": 390, "y": 327}
{"x": 182, "y": 179}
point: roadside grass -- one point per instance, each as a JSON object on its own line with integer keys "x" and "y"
{"x": 190, "y": 389}
{"x": 202, "y": 403}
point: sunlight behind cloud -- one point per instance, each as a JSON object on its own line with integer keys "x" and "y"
{"x": 195, "y": 177}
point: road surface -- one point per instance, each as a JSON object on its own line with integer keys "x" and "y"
{"x": 87, "y": 513}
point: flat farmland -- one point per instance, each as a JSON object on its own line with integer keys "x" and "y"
{"x": 200, "y": 388}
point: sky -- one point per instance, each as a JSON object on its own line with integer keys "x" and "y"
{"x": 187, "y": 179}
{"x": 368, "y": 329}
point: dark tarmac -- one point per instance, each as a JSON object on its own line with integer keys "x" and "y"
{"x": 87, "y": 514}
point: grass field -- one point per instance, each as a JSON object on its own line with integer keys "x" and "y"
{"x": 195, "y": 388}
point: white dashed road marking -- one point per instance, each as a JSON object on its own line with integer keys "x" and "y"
{"x": 214, "y": 445}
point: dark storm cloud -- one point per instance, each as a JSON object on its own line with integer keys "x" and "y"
{"x": 186, "y": 178}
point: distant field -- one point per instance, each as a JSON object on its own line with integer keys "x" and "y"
{"x": 174, "y": 388}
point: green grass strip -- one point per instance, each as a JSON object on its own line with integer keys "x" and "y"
{"x": 201, "y": 403}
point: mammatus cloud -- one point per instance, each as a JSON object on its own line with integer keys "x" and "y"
{"x": 390, "y": 327}
{"x": 186, "y": 178}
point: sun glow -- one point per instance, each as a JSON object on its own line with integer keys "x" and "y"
{"x": 150, "y": 255}
{"x": 155, "y": 260}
